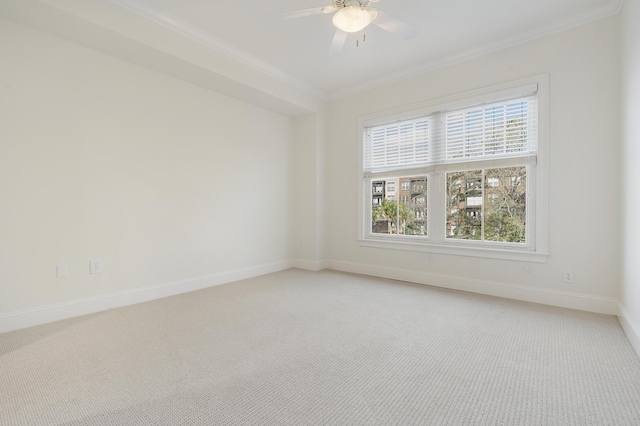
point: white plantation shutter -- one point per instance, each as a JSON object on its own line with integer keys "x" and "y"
{"x": 399, "y": 145}
{"x": 491, "y": 131}
{"x": 498, "y": 130}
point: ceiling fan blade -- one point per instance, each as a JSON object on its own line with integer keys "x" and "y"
{"x": 396, "y": 26}
{"x": 306, "y": 12}
{"x": 338, "y": 42}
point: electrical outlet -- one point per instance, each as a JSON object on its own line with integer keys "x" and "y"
{"x": 62, "y": 271}
{"x": 95, "y": 266}
{"x": 567, "y": 276}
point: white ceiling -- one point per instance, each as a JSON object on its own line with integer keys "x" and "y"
{"x": 298, "y": 49}
{"x": 244, "y": 49}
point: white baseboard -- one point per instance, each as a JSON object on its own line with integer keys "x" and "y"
{"x": 41, "y": 315}
{"x": 309, "y": 265}
{"x": 630, "y": 327}
{"x": 45, "y": 314}
{"x": 563, "y": 299}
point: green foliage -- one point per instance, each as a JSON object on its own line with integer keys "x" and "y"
{"x": 396, "y": 214}
{"x": 503, "y": 205}
{"x": 415, "y": 227}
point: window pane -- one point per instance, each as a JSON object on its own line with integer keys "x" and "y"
{"x": 464, "y": 205}
{"x": 413, "y": 205}
{"x": 379, "y": 220}
{"x": 384, "y": 207}
{"x": 505, "y": 209}
{"x": 399, "y": 212}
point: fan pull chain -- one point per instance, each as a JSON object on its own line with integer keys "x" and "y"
{"x": 364, "y": 38}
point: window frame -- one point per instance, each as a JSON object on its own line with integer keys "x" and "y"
{"x": 536, "y": 248}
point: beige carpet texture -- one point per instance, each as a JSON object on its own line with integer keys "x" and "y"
{"x": 322, "y": 348}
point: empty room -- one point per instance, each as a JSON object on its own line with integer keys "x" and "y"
{"x": 316, "y": 212}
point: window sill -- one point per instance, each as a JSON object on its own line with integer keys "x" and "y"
{"x": 459, "y": 250}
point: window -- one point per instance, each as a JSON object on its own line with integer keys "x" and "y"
{"x": 471, "y": 171}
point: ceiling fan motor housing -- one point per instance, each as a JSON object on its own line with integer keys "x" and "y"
{"x": 353, "y": 16}
{"x": 347, "y": 3}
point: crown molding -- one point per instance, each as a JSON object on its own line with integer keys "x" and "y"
{"x": 198, "y": 35}
{"x": 613, "y": 8}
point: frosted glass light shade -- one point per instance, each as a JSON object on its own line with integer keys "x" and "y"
{"x": 352, "y": 19}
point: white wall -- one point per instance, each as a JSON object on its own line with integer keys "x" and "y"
{"x": 166, "y": 182}
{"x": 583, "y": 65}
{"x": 174, "y": 190}
{"x": 308, "y": 191}
{"x": 630, "y": 86}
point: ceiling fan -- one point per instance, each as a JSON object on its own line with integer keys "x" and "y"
{"x": 352, "y": 16}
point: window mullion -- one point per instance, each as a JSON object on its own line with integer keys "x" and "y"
{"x": 436, "y": 210}
{"x": 397, "y": 200}
{"x": 436, "y": 216}
{"x": 482, "y": 206}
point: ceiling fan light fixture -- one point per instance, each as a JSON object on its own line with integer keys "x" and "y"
{"x": 352, "y": 19}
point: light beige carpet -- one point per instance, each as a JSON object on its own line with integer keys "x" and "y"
{"x": 304, "y": 348}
